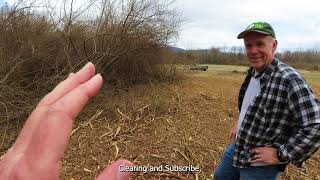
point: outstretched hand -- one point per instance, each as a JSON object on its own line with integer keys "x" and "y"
{"x": 38, "y": 150}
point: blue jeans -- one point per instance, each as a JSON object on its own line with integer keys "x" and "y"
{"x": 225, "y": 170}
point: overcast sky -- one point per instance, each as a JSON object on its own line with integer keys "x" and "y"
{"x": 218, "y": 22}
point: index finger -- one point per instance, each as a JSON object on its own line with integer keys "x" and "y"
{"x": 39, "y": 113}
{"x": 256, "y": 150}
{"x": 52, "y": 134}
{"x": 73, "y": 81}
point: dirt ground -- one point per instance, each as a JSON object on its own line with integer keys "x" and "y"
{"x": 185, "y": 123}
{"x": 182, "y": 123}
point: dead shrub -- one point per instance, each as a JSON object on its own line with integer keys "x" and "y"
{"x": 124, "y": 39}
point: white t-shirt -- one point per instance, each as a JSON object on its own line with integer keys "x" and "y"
{"x": 252, "y": 91}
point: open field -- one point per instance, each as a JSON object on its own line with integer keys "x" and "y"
{"x": 184, "y": 123}
{"x": 232, "y": 72}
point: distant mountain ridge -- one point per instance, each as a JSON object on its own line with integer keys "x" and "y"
{"x": 175, "y": 49}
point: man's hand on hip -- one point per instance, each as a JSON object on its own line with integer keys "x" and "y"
{"x": 266, "y": 155}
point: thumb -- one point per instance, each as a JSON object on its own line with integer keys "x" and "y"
{"x": 113, "y": 172}
{"x": 232, "y": 133}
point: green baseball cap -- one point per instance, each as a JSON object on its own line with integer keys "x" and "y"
{"x": 259, "y": 27}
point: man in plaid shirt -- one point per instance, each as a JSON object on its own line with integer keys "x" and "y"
{"x": 279, "y": 120}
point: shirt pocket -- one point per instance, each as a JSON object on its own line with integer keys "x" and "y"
{"x": 275, "y": 119}
{"x": 274, "y": 112}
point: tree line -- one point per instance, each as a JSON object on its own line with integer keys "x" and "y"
{"x": 307, "y": 59}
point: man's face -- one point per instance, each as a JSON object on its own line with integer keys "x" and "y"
{"x": 260, "y": 50}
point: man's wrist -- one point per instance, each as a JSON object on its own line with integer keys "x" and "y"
{"x": 281, "y": 157}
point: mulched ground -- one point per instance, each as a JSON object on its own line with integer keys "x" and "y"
{"x": 184, "y": 123}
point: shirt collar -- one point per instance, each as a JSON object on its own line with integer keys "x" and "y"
{"x": 265, "y": 74}
{"x": 256, "y": 74}
{"x": 267, "y": 71}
